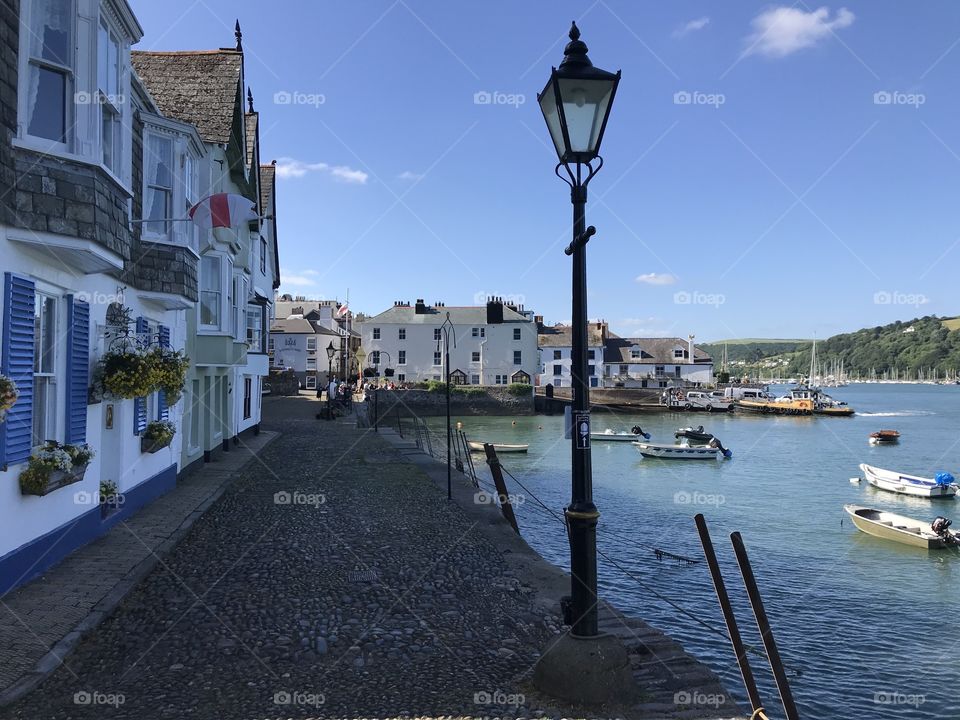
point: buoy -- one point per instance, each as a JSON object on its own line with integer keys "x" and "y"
{"x": 855, "y": 480}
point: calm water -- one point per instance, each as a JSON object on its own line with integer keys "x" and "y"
{"x": 853, "y": 616}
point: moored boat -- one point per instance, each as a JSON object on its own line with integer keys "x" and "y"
{"x": 902, "y": 529}
{"x": 941, "y": 486}
{"x": 683, "y": 452}
{"x": 499, "y": 447}
{"x": 609, "y": 435}
{"x": 884, "y": 437}
{"x": 694, "y": 435}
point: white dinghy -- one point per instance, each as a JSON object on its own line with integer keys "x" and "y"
{"x": 942, "y": 486}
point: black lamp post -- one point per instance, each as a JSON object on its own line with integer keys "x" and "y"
{"x": 331, "y": 351}
{"x": 445, "y": 330}
{"x": 376, "y": 391}
{"x": 576, "y": 103}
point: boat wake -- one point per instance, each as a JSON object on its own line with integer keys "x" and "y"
{"x": 905, "y": 413}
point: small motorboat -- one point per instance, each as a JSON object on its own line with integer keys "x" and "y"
{"x": 499, "y": 447}
{"x": 609, "y": 435}
{"x": 694, "y": 435}
{"x": 683, "y": 452}
{"x": 899, "y": 528}
{"x": 941, "y": 486}
{"x": 884, "y": 437}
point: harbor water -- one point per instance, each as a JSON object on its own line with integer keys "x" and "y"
{"x": 866, "y": 627}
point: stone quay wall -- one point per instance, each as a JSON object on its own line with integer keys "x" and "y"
{"x": 492, "y": 401}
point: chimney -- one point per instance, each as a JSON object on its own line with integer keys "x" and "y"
{"x": 494, "y": 311}
{"x": 538, "y": 321}
{"x": 420, "y": 308}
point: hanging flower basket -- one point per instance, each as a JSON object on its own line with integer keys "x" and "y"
{"x": 110, "y": 498}
{"x": 54, "y": 466}
{"x": 128, "y": 374}
{"x": 158, "y": 435}
{"x": 169, "y": 372}
{"x": 8, "y": 395}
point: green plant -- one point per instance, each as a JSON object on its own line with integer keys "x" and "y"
{"x": 79, "y": 454}
{"x": 128, "y": 374}
{"x": 108, "y": 490}
{"x": 159, "y": 432}
{"x": 51, "y": 457}
{"x": 519, "y": 389}
{"x": 470, "y": 389}
{"x": 436, "y": 386}
{"x": 169, "y": 372}
{"x": 8, "y": 395}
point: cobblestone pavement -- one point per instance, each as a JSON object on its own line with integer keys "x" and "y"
{"x": 331, "y": 579}
{"x": 38, "y": 621}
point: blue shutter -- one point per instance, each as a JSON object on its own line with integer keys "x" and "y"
{"x": 163, "y": 412}
{"x": 78, "y": 368}
{"x": 140, "y": 403}
{"x": 16, "y": 362}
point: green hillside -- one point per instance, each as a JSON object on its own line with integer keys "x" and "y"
{"x": 751, "y": 349}
{"x": 952, "y": 323}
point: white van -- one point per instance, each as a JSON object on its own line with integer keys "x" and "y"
{"x": 736, "y": 393}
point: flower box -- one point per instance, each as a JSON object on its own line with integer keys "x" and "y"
{"x": 151, "y": 446}
{"x": 57, "y": 480}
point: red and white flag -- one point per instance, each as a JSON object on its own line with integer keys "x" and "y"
{"x": 342, "y": 310}
{"x": 223, "y": 210}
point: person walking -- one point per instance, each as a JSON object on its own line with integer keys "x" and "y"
{"x": 331, "y": 394}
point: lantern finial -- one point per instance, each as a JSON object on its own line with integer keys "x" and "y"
{"x": 575, "y": 53}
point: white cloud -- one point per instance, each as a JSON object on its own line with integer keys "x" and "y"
{"x": 643, "y": 327}
{"x": 292, "y": 168}
{"x": 778, "y": 32}
{"x": 407, "y": 175}
{"x": 692, "y": 26}
{"x": 657, "y": 279}
{"x": 305, "y": 278}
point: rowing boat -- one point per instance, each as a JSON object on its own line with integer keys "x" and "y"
{"x": 499, "y": 447}
{"x": 899, "y": 528}
{"x": 677, "y": 452}
{"x": 884, "y": 437}
{"x": 609, "y": 435}
{"x": 942, "y": 486}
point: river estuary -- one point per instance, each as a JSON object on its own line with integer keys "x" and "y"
{"x": 866, "y": 627}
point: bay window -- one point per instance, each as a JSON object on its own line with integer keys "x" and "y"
{"x": 158, "y": 171}
{"x": 109, "y": 97}
{"x": 255, "y": 324}
{"x": 49, "y": 36}
{"x": 211, "y": 291}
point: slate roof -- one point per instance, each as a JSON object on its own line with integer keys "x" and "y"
{"x": 198, "y": 87}
{"x": 658, "y": 351}
{"x": 437, "y": 315}
{"x": 562, "y": 336}
{"x": 268, "y": 175}
{"x": 299, "y": 326}
{"x": 250, "y": 122}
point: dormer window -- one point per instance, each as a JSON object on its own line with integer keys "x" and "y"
{"x": 677, "y": 353}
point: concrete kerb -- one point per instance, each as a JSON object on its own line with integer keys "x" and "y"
{"x": 50, "y": 661}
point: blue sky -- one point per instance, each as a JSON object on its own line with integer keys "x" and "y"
{"x": 771, "y": 170}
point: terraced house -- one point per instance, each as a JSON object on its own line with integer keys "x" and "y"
{"x": 97, "y": 172}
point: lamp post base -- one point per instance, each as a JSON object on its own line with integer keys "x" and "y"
{"x": 590, "y": 670}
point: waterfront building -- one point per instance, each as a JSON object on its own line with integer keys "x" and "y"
{"x": 301, "y": 345}
{"x": 495, "y": 344}
{"x": 655, "y": 363}
{"x": 556, "y": 345}
{"x": 90, "y": 147}
{"x": 238, "y": 268}
{"x": 331, "y": 315}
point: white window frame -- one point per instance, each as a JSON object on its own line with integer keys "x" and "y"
{"x": 225, "y": 271}
{"x": 516, "y": 334}
{"x": 184, "y": 189}
{"x": 52, "y": 426}
{"x": 254, "y": 333}
{"x": 376, "y": 333}
{"x": 111, "y": 100}
{"x": 311, "y": 382}
{"x": 311, "y": 363}
{"x": 311, "y": 344}
{"x": 474, "y": 379}
{"x": 518, "y": 357}
{"x": 401, "y": 357}
{"x": 437, "y": 358}
{"x": 401, "y": 333}
{"x": 475, "y": 356}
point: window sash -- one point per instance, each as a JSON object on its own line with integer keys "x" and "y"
{"x": 211, "y": 285}
{"x": 44, "y": 369}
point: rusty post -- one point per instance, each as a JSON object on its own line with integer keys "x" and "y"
{"x": 494, "y": 462}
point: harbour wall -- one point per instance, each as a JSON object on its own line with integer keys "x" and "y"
{"x": 478, "y": 401}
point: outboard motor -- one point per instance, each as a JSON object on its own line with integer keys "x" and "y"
{"x": 637, "y": 430}
{"x": 941, "y": 526}
{"x": 719, "y": 445}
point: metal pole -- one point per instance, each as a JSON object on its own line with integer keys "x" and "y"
{"x": 329, "y": 405}
{"x": 763, "y": 624}
{"x": 376, "y": 407}
{"x": 446, "y": 347}
{"x": 728, "y": 617}
{"x": 582, "y": 514}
